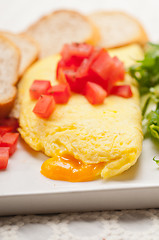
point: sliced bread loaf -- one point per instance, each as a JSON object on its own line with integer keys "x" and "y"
{"x": 9, "y": 66}
{"x": 118, "y": 29}
{"x": 28, "y": 48}
{"x": 60, "y": 27}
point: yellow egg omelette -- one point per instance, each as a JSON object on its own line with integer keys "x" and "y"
{"x": 107, "y": 135}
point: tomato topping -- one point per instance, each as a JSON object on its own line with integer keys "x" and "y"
{"x": 4, "y": 129}
{"x": 122, "y": 91}
{"x": 38, "y": 88}
{"x": 60, "y": 66}
{"x": 9, "y": 122}
{"x": 118, "y": 72}
{"x": 10, "y": 140}
{"x": 61, "y": 76}
{"x": 94, "y": 93}
{"x": 70, "y": 75}
{"x": 120, "y": 69}
{"x": 44, "y": 106}
{"x": 102, "y": 67}
{"x": 84, "y": 68}
{"x": 4, "y": 156}
{"x": 67, "y": 168}
{"x": 75, "y": 52}
{"x": 61, "y": 93}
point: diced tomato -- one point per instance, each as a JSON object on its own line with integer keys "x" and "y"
{"x": 84, "y": 73}
{"x": 82, "y": 63}
{"x": 4, "y": 129}
{"x": 4, "y": 156}
{"x": 71, "y": 79}
{"x": 94, "y": 93}
{"x": 84, "y": 69}
{"x": 118, "y": 72}
{"x": 120, "y": 66}
{"x": 61, "y": 65}
{"x": 76, "y": 52}
{"x": 44, "y": 106}
{"x": 122, "y": 91}
{"x": 9, "y": 122}
{"x": 102, "y": 64}
{"x": 38, "y": 88}
{"x": 61, "y": 93}
{"x": 61, "y": 77}
{"x": 102, "y": 67}
{"x": 10, "y": 140}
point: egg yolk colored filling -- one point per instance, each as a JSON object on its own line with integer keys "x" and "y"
{"x": 67, "y": 168}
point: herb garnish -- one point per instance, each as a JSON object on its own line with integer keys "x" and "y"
{"x": 157, "y": 161}
{"x": 146, "y": 73}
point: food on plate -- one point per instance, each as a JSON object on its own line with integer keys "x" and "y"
{"x": 59, "y": 27}
{"x": 146, "y": 74}
{"x": 118, "y": 29}
{"x": 84, "y": 69}
{"x": 8, "y": 140}
{"x": 28, "y": 49}
{"x": 10, "y": 59}
{"x": 84, "y": 141}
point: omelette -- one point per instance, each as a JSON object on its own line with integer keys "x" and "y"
{"x": 104, "y": 139}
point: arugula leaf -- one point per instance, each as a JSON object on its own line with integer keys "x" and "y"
{"x": 157, "y": 161}
{"x": 146, "y": 71}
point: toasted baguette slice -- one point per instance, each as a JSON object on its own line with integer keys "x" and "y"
{"x": 7, "y": 97}
{"x": 60, "y": 27}
{"x": 29, "y": 49}
{"x": 118, "y": 29}
{"x": 9, "y": 66}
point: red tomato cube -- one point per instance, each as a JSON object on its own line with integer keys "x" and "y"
{"x": 121, "y": 70}
{"x": 102, "y": 67}
{"x": 78, "y": 50}
{"x": 4, "y": 156}
{"x": 84, "y": 68}
{"x": 44, "y": 106}
{"x": 61, "y": 77}
{"x": 94, "y": 93}
{"x": 9, "y": 122}
{"x": 72, "y": 81}
{"x": 122, "y": 91}
{"x": 38, "y": 88}
{"x": 10, "y": 140}
{"x": 61, "y": 65}
{"x": 61, "y": 93}
{"x": 4, "y": 129}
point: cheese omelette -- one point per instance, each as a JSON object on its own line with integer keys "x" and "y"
{"x": 109, "y": 133}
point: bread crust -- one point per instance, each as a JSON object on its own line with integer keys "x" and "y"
{"x": 141, "y": 39}
{"x": 31, "y": 41}
{"x": 16, "y": 49}
{"x": 6, "y": 105}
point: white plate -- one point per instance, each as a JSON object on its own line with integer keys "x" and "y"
{"x": 24, "y": 190}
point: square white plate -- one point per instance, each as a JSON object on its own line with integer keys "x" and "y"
{"x": 23, "y": 189}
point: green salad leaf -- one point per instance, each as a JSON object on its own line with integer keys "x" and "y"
{"x": 146, "y": 73}
{"x": 157, "y": 161}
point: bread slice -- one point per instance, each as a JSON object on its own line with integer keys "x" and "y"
{"x": 7, "y": 97}
{"x": 59, "y": 27}
{"x": 9, "y": 66}
{"x": 118, "y": 29}
{"x": 29, "y": 49}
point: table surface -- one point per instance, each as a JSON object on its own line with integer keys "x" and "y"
{"x": 16, "y": 15}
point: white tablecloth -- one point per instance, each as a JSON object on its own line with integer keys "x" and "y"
{"x": 16, "y": 15}
{"x": 106, "y": 225}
